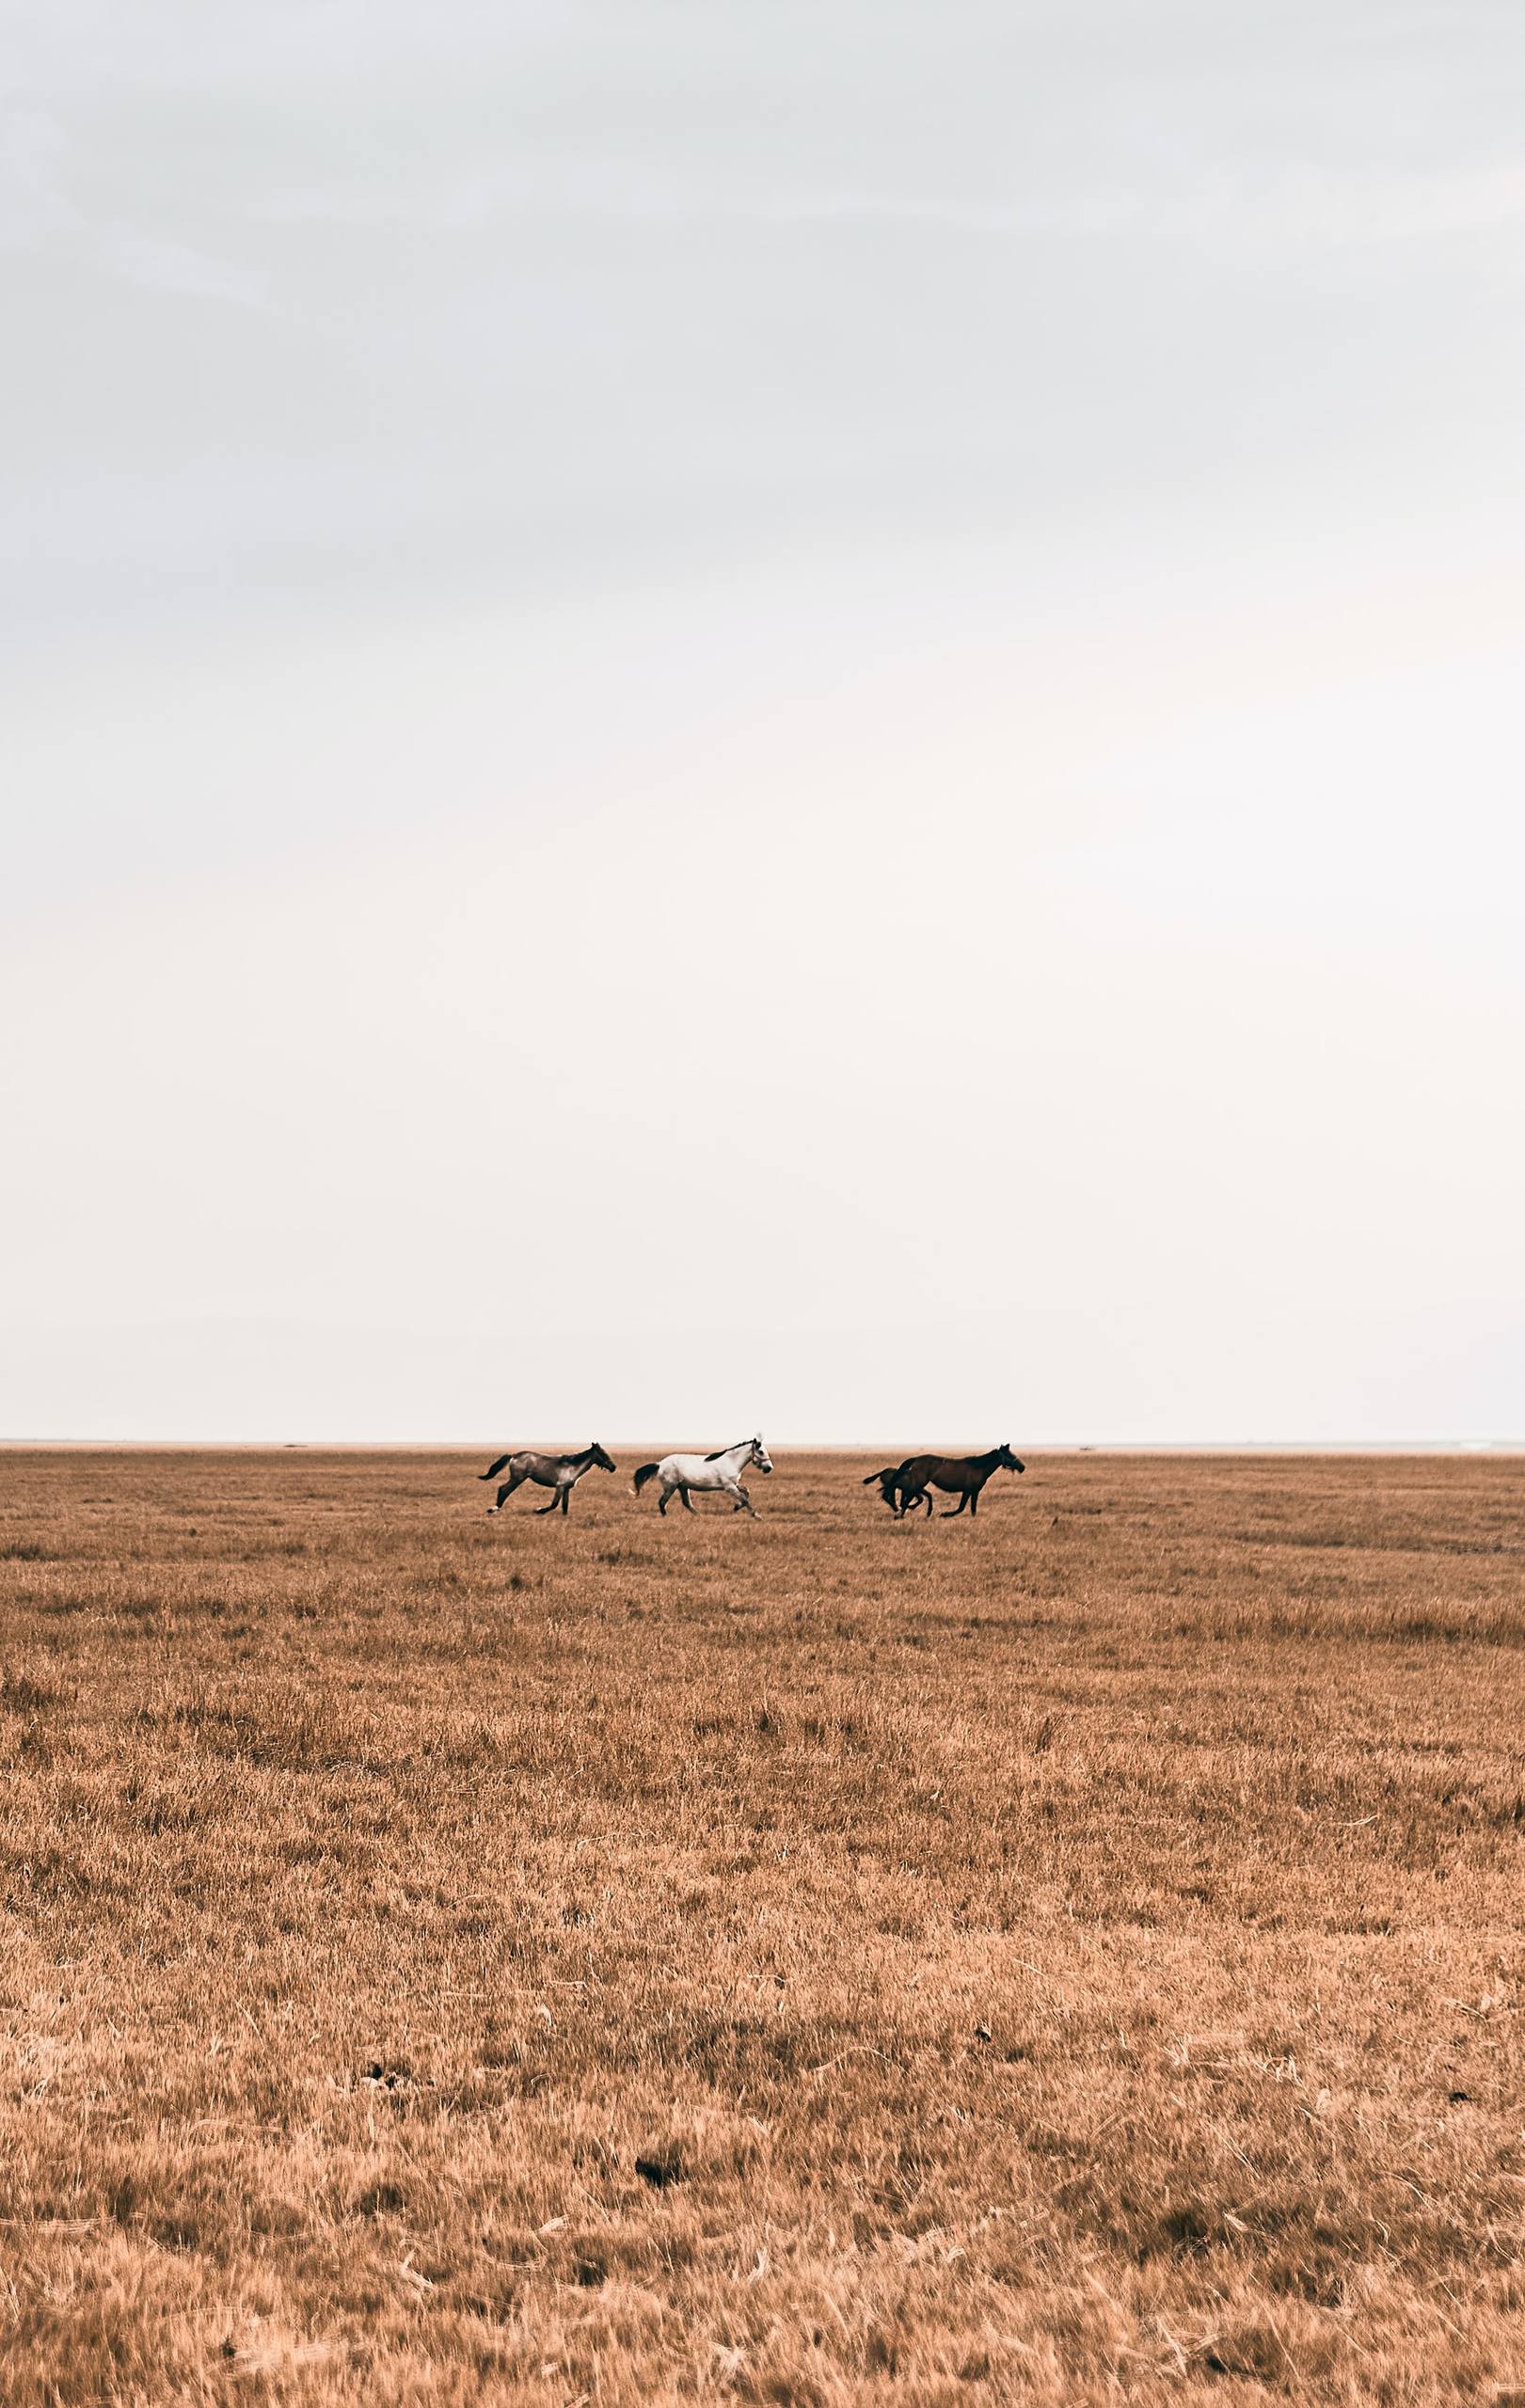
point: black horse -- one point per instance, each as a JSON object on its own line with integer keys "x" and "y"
{"x": 889, "y": 1485}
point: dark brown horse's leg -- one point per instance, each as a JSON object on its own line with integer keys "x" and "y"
{"x": 974, "y": 1501}
{"x": 954, "y": 1511}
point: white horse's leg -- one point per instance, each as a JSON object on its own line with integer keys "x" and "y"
{"x": 743, "y": 1502}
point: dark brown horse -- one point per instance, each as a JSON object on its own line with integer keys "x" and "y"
{"x": 961, "y": 1476}
{"x": 559, "y": 1473}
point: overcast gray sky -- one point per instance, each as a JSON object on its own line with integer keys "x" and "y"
{"x": 746, "y": 715}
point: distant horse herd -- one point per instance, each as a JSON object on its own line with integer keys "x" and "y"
{"x": 903, "y": 1486}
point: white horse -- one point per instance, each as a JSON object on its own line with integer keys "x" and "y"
{"x": 722, "y": 1470}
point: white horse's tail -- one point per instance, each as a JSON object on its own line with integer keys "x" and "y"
{"x": 647, "y": 1472}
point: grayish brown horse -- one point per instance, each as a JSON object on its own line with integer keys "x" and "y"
{"x": 557, "y": 1472}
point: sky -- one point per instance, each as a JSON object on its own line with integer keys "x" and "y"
{"x": 774, "y": 717}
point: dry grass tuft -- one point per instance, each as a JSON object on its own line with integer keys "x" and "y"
{"x": 1072, "y": 1957}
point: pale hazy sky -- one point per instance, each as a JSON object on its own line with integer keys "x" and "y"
{"x": 726, "y": 715}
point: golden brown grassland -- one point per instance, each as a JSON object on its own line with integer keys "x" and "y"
{"x": 1076, "y": 1956}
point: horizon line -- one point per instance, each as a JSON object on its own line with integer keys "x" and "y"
{"x": 1511, "y": 1446}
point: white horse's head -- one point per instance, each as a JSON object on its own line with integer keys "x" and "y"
{"x": 759, "y": 1456}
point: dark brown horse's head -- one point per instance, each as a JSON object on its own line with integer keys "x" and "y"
{"x": 1006, "y": 1460}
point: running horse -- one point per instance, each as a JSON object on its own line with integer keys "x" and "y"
{"x": 722, "y": 1470}
{"x": 559, "y": 1473}
{"x": 888, "y": 1481}
{"x": 961, "y": 1476}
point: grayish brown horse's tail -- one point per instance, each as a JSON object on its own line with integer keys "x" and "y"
{"x": 647, "y": 1472}
{"x": 493, "y": 1469}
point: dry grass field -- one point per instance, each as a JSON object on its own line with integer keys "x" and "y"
{"x": 1073, "y": 1956}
